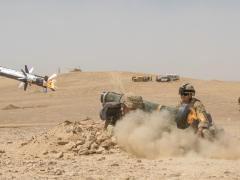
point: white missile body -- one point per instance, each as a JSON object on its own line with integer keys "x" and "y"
{"x": 27, "y": 78}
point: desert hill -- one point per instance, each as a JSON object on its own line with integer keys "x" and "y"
{"x": 78, "y": 95}
{"x": 53, "y": 124}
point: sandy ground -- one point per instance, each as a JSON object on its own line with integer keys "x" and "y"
{"x": 29, "y": 118}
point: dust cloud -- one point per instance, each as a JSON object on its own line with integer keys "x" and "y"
{"x": 155, "y": 135}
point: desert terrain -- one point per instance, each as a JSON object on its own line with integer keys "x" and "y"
{"x": 45, "y": 135}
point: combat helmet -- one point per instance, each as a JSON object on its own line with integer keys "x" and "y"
{"x": 132, "y": 101}
{"x": 187, "y": 89}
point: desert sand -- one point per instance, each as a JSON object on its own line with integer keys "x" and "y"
{"x": 59, "y": 135}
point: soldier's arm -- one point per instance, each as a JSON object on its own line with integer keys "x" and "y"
{"x": 201, "y": 115}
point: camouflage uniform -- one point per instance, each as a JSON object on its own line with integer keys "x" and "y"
{"x": 198, "y": 117}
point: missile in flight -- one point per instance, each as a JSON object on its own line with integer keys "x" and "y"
{"x": 27, "y": 78}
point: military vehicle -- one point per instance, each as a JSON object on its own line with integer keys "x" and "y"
{"x": 141, "y": 78}
{"x": 162, "y": 78}
{"x": 173, "y": 77}
{"x": 167, "y": 78}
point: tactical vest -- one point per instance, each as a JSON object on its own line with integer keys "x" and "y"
{"x": 184, "y": 110}
{"x": 207, "y": 115}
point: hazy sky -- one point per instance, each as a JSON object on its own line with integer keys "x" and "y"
{"x": 197, "y": 38}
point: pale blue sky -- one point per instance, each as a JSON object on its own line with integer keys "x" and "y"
{"x": 199, "y": 39}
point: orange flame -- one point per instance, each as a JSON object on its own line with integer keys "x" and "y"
{"x": 51, "y": 84}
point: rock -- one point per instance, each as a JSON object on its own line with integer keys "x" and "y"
{"x": 90, "y": 178}
{"x": 101, "y": 158}
{"x": 76, "y": 150}
{"x": 86, "y": 119}
{"x": 54, "y": 151}
{"x": 24, "y": 144}
{"x": 58, "y": 155}
{"x": 227, "y": 172}
{"x": 70, "y": 146}
{"x": 65, "y": 123}
{"x": 87, "y": 145}
{"x": 62, "y": 143}
{"x": 45, "y": 152}
{"x": 77, "y": 130}
{"x": 139, "y": 161}
{"x": 100, "y": 150}
{"x": 113, "y": 151}
{"x": 59, "y": 172}
{"x": 91, "y": 138}
{"x": 114, "y": 140}
{"x": 69, "y": 130}
{"x": 90, "y": 128}
{"x": 129, "y": 178}
{"x": 114, "y": 164}
{"x": 74, "y": 174}
{"x": 107, "y": 144}
{"x": 103, "y": 136}
{"x": 175, "y": 174}
{"x": 91, "y": 170}
{"x": 83, "y": 151}
{"x": 92, "y": 151}
{"x": 2, "y": 151}
{"x": 10, "y": 107}
{"x": 52, "y": 163}
{"x": 80, "y": 142}
{"x": 98, "y": 134}
{"x": 94, "y": 146}
{"x": 99, "y": 140}
{"x": 212, "y": 176}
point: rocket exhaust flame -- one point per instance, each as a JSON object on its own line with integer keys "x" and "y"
{"x": 51, "y": 84}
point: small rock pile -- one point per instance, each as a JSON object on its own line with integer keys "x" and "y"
{"x": 79, "y": 138}
{"x": 10, "y": 107}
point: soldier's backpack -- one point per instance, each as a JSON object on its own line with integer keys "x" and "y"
{"x": 110, "y": 113}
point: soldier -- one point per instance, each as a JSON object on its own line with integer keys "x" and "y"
{"x": 198, "y": 118}
{"x": 113, "y": 111}
{"x": 131, "y": 103}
